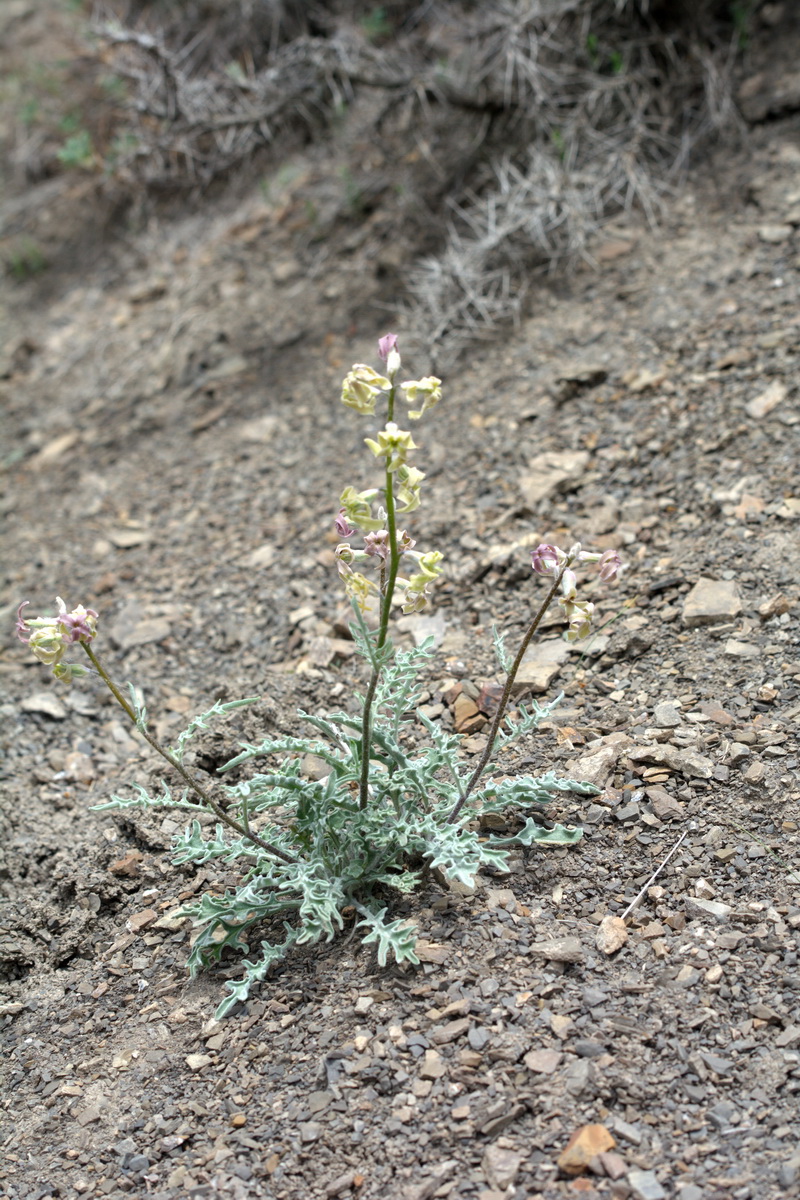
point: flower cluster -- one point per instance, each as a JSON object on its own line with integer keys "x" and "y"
{"x": 366, "y": 512}
{"x": 550, "y": 561}
{"x": 50, "y": 637}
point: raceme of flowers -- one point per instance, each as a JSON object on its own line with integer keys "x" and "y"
{"x": 49, "y": 638}
{"x": 551, "y": 562}
{"x": 365, "y": 512}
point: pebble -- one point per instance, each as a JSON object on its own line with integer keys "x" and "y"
{"x": 666, "y": 715}
{"x": 645, "y": 1185}
{"x": 46, "y": 703}
{"x": 554, "y": 471}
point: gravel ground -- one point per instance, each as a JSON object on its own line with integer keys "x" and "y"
{"x": 176, "y": 449}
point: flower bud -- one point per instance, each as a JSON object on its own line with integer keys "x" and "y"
{"x": 609, "y": 566}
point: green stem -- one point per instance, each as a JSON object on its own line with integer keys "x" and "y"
{"x": 178, "y": 766}
{"x": 501, "y": 708}
{"x": 383, "y": 628}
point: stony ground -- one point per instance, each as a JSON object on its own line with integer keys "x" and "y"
{"x": 175, "y": 449}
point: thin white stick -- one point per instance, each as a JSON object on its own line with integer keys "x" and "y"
{"x": 653, "y": 877}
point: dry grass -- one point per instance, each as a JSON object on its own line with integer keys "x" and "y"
{"x": 530, "y": 122}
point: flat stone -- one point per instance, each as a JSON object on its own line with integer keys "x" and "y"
{"x": 737, "y": 649}
{"x": 597, "y": 766}
{"x": 665, "y": 806}
{"x": 540, "y": 666}
{"x": 666, "y": 715}
{"x": 443, "y": 1034}
{"x": 46, "y": 703}
{"x": 687, "y": 762}
{"x": 699, "y": 909}
{"x": 711, "y": 601}
{"x": 543, "y": 1062}
{"x": 774, "y": 235}
{"x": 127, "y": 634}
{"x": 555, "y": 472}
{"x": 501, "y": 1166}
{"x": 196, "y": 1062}
{"x": 566, "y": 949}
{"x": 645, "y": 1185}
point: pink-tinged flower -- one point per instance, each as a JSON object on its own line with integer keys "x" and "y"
{"x": 342, "y": 527}
{"x": 386, "y": 345}
{"x": 80, "y": 625}
{"x": 609, "y": 566}
{"x": 21, "y": 627}
{"x": 376, "y": 544}
{"x": 547, "y": 559}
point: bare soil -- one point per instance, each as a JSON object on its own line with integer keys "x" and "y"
{"x": 174, "y": 453}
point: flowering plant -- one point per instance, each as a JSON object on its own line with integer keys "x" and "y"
{"x": 312, "y": 850}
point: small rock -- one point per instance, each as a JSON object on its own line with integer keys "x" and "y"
{"x": 597, "y": 766}
{"x": 46, "y": 703}
{"x": 566, "y": 949}
{"x": 711, "y": 601}
{"x": 645, "y": 1185}
{"x": 555, "y": 471}
{"x": 666, "y": 715}
{"x": 543, "y": 1062}
{"x": 432, "y": 1066}
{"x": 737, "y": 649}
{"x": 688, "y": 762}
{"x": 310, "y": 1131}
{"x": 613, "y": 1165}
{"x": 665, "y": 806}
{"x": 611, "y": 935}
{"x": 443, "y": 1034}
{"x": 698, "y": 909}
{"x": 540, "y": 666}
{"x": 500, "y": 1166}
{"x": 755, "y": 773}
{"x": 774, "y": 235}
{"x": 79, "y": 766}
{"x": 141, "y": 920}
{"x": 127, "y": 634}
{"x": 196, "y": 1062}
{"x": 127, "y": 866}
{"x": 583, "y": 1146}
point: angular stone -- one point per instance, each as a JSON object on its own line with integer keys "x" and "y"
{"x": 666, "y": 807}
{"x": 711, "y": 601}
{"x": 46, "y": 703}
{"x": 566, "y": 949}
{"x": 442, "y": 1034}
{"x": 611, "y": 934}
{"x": 645, "y": 1185}
{"x": 543, "y": 1062}
{"x": 583, "y": 1146}
{"x": 501, "y": 1166}
{"x": 432, "y": 1065}
{"x": 540, "y": 666}
{"x": 698, "y": 909}
{"x": 687, "y": 762}
{"x": 666, "y": 715}
{"x": 597, "y": 766}
{"x": 737, "y": 649}
{"x": 555, "y": 472}
{"x": 196, "y": 1062}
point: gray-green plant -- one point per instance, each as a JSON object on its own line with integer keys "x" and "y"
{"x": 385, "y": 811}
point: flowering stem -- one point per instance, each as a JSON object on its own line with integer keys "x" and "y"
{"x": 501, "y": 708}
{"x": 383, "y": 629}
{"x": 196, "y": 787}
